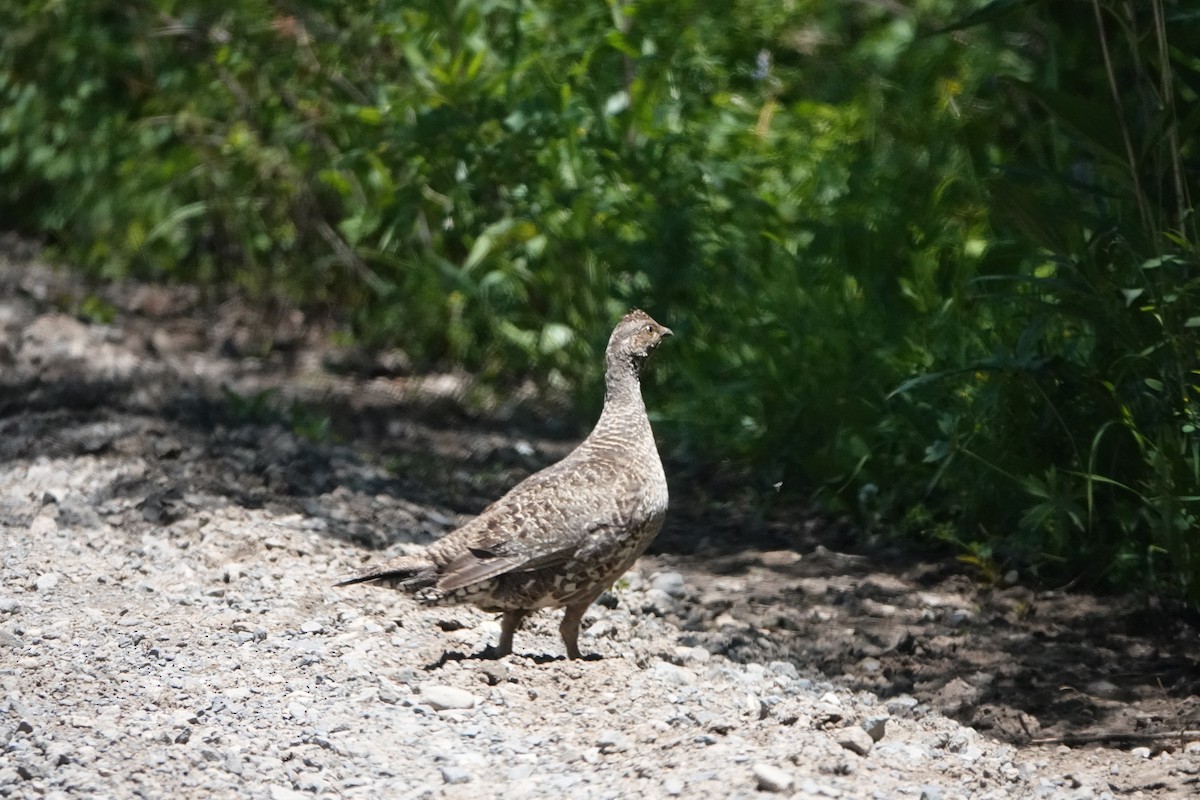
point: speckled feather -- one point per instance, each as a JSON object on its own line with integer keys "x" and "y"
{"x": 563, "y": 535}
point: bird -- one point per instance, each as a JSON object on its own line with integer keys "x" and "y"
{"x": 562, "y": 536}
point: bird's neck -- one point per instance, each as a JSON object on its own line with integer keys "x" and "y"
{"x": 622, "y": 382}
{"x": 623, "y": 406}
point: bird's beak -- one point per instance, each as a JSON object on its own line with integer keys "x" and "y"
{"x": 666, "y": 332}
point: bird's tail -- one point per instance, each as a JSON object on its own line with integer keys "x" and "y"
{"x": 409, "y": 573}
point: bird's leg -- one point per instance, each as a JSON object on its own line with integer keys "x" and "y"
{"x": 508, "y": 626}
{"x": 570, "y": 626}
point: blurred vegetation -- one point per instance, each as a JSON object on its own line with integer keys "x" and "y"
{"x": 934, "y": 262}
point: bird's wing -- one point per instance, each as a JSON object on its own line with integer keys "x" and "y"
{"x": 529, "y": 529}
{"x": 477, "y": 565}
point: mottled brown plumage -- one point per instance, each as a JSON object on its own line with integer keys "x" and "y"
{"x": 563, "y": 535}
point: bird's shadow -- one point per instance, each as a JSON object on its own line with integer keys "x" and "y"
{"x": 489, "y": 654}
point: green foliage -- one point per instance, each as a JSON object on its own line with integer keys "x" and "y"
{"x": 931, "y": 256}
{"x": 1081, "y": 397}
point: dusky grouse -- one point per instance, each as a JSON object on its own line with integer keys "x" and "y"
{"x": 563, "y": 535}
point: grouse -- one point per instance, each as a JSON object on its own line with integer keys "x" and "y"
{"x": 562, "y": 536}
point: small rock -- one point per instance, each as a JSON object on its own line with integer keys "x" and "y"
{"x": 493, "y": 672}
{"x": 772, "y": 779}
{"x": 669, "y": 583}
{"x": 520, "y": 772}
{"x": 870, "y": 666}
{"x": 901, "y": 706}
{"x": 960, "y": 617}
{"x": 43, "y": 525}
{"x": 811, "y": 789}
{"x": 673, "y": 675}
{"x": 658, "y": 602}
{"x": 455, "y": 775}
{"x": 827, "y": 713}
{"x": 931, "y": 793}
{"x": 389, "y": 693}
{"x": 312, "y": 626}
{"x": 1140, "y": 752}
{"x": 779, "y": 558}
{"x": 876, "y": 727}
{"x": 47, "y": 582}
{"x": 284, "y": 793}
{"x": 1102, "y": 688}
{"x": 672, "y": 787}
{"x": 8, "y": 605}
{"x": 856, "y": 740}
{"x": 613, "y": 742}
{"x": 784, "y": 669}
{"x": 691, "y": 655}
{"x": 444, "y": 697}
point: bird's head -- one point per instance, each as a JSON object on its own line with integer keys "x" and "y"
{"x": 636, "y": 336}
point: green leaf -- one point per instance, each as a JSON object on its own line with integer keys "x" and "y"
{"x": 485, "y": 242}
{"x": 369, "y": 115}
{"x": 555, "y": 336}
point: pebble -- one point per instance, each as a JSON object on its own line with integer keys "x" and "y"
{"x": 855, "y": 739}
{"x": 870, "y": 666}
{"x": 771, "y": 778}
{"x": 455, "y": 775}
{"x": 8, "y": 605}
{"x": 442, "y": 698}
{"x": 284, "y": 793}
{"x": 692, "y": 655}
{"x": 876, "y": 727}
{"x": 612, "y": 741}
{"x": 902, "y": 705}
{"x": 520, "y": 772}
{"x": 47, "y": 582}
{"x": 960, "y": 617}
{"x": 658, "y": 602}
{"x": 672, "y": 786}
{"x": 784, "y": 669}
{"x": 673, "y": 675}
{"x": 811, "y": 788}
{"x": 669, "y": 583}
{"x": 493, "y": 672}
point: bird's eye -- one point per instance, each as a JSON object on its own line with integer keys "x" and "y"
{"x": 649, "y": 328}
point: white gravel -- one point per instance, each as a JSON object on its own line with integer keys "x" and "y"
{"x": 213, "y": 658}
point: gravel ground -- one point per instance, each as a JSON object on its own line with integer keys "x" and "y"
{"x": 168, "y": 624}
